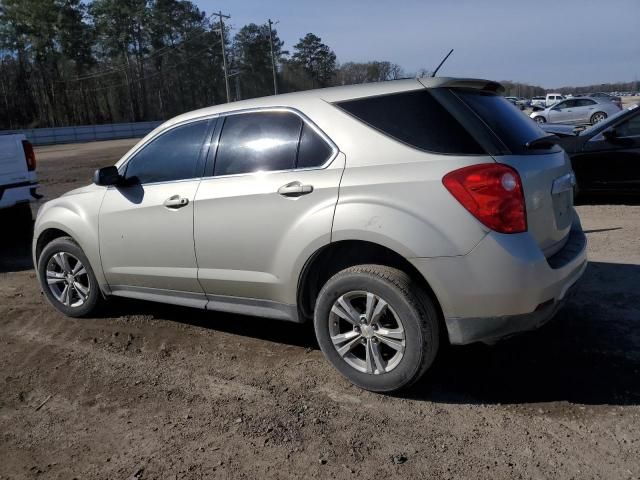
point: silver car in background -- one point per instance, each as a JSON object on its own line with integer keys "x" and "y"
{"x": 393, "y": 216}
{"x": 577, "y": 110}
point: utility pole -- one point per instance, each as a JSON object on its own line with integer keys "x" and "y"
{"x": 224, "y": 53}
{"x": 273, "y": 61}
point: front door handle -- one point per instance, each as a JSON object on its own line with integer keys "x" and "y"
{"x": 175, "y": 202}
{"x": 295, "y": 189}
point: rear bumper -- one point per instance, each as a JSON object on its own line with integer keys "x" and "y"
{"x": 16, "y": 193}
{"x": 503, "y": 286}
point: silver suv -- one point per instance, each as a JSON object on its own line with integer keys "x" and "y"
{"x": 395, "y": 216}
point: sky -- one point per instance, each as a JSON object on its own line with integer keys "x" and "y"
{"x": 539, "y": 42}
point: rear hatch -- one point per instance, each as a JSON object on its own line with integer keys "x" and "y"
{"x": 13, "y": 166}
{"x": 515, "y": 140}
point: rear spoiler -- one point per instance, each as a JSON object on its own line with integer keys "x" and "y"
{"x": 476, "y": 83}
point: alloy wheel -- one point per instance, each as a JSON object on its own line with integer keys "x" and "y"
{"x": 67, "y": 279}
{"x": 366, "y": 332}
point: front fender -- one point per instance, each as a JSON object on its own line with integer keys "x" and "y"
{"x": 77, "y": 216}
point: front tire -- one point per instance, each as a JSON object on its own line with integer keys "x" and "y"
{"x": 376, "y": 327}
{"x": 540, "y": 119}
{"x": 598, "y": 117}
{"x": 67, "y": 279}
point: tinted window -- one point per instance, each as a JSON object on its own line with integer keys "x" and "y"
{"x": 584, "y": 102}
{"x": 260, "y": 141}
{"x": 171, "y": 156}
{"x": 508, "y": 124}
{"x": 629, "y": 128}
{"x": 415, "y": 118}
{"x": 313, "y": 151}
{"x": 568, "y": 104}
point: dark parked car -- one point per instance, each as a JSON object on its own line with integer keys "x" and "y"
{"x": 605, "y": 156}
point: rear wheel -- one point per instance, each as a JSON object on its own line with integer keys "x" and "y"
{"x": 67, "y": 279}
{"x": 376, "y": 327}
{"x": 598, "y": 117}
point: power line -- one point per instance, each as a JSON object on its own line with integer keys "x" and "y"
{"x": 140, "y": 79}
{"x": 123, "y": 66}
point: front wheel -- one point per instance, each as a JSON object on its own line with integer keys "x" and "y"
{"x": 598, "y": 117}
{"x": 540, "y": 119}
{"x": 67, "y": 279}
{"x": 376, "y": 327}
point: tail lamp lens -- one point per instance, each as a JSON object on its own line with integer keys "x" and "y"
{"x": 492, "y": 193}
{"x": 29, "y": 155}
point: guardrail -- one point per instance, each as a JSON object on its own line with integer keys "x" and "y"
{"x": 85, "y": 133}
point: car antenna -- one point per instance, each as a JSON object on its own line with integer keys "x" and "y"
{"x": 442, "y": 62}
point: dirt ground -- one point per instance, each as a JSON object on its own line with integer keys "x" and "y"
{"x": 151, "y": 391}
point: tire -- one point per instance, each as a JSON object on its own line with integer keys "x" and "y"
{"x": 409, "y": 316}
{"x": 597, "y": 117}
{"x": 540, "y": 119}
{"x": 84, "y": 291}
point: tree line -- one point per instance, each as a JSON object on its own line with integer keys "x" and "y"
{"x": 69, "y": 62}
{"x": 75, "y": 62}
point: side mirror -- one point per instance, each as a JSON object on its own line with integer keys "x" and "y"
{"x": 107, "y": 176}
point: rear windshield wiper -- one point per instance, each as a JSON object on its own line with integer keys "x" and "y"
{"x": 547, "y": 141}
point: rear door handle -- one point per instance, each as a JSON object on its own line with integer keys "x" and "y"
{"x": 295, "y": 189}
{"x": 175, "y": 202}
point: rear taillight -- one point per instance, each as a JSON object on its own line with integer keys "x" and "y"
{"x": 29, "y": 155}
{"x": 492, "y": 193}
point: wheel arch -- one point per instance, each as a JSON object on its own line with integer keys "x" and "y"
{"x": 63, "y": 219}
{"x": 336, "y": 256}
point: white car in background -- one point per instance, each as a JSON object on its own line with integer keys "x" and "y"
{"x": 18, "y": 181}
{"x": 577, "y": 110}
{"x": 537, "y": 102}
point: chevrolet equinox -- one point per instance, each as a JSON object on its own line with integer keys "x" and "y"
{"x": 394, "y": 215}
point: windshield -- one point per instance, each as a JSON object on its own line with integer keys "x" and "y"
{"x": 507, "y": 122}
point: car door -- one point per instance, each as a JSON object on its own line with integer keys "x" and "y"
{"x": 562, "y": 112}
{"x": 612, "y": 161}
{"x": 146, "y": 222}
{"x": 584, "y": 109}
{"x": 268, "y": 203}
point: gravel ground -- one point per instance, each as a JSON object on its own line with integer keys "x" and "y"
{"x": 151, "y": 391}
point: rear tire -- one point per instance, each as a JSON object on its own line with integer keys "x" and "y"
{"x": 67, "y": 279}
{"x": 376, "y": 327}
{"x": 597, "y": 117}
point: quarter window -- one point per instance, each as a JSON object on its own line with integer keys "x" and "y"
{"x": 171, "y": 156}
{"x": 417, "y": 119}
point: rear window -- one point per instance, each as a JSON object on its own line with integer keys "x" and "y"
{"x": 508, "y": 123}
{"x": 417, "y": 119}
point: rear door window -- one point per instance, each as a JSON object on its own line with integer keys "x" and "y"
{"x": 314, "y": 151}
{"x": 258, "y": 141}
{"x": 417, "y": 119}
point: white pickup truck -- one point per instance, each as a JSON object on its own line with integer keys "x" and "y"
{"x": 18, "y": 181}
